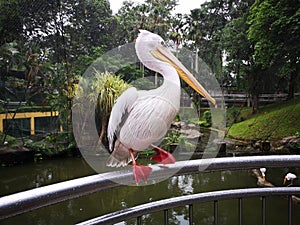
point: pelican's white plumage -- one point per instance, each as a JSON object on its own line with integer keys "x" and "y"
{"x": 140, "y": 118}
{"x": 263, "y": 171}
{"x": 289, "y": 177}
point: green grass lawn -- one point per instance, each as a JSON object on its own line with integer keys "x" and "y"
{"x": 273, "y": 121}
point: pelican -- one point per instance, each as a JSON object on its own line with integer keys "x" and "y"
{"x": 263, "y": 172}
{"x": 289, "y": 177}
{"x": 141, "y": 118}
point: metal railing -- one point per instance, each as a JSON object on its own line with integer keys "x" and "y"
{"x": 26, "y": 201}
{"x": 188, "y": 200}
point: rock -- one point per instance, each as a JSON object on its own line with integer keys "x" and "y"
{"x": 291, "y": 143}
{"x": 293, "y": 139}
{"x": 192, "y": 125}
{"x": 264, "y": 146}
{"x": 222, "y": 147}
{"x": 191, "y": 133}
{"x": 178, "y": 124}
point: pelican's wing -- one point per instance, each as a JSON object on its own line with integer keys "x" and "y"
{"x": 119, "y": 113}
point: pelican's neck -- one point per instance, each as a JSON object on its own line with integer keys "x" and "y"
{"x": 169, "y": 74}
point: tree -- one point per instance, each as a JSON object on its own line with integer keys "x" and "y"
{"x": 176, "y": 34}
{"x": 63, "y": 29}
{"x": 153, "y": 15}
{"x": 239, "y": 56}
{"x": 274, "y": 29}
{"x": 108, "y": 87}
{"x": 204, "y": 28}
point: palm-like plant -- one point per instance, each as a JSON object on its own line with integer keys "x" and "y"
{"x": 106, "y": 88}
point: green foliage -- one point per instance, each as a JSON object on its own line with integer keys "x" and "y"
{"x": 10, "y": 57}
{"x": 61, "y": 91}
{"x": 274, "y": 30}
{"x": 153, "y": 15}
{"x": 173, "y": 137}
{"x": 52, "y": 145}
{"x": 9, "y": 139}
{"x": 235, "y": 113}
{"x": 271, "y": 122}
{"x": 143, "y": 84}
{"x": 106, "y": 88}
{"x": 84, "y": 61}
{"x": 207, "y": 117}
{"x": 129, "y": 73}
{"x": 260, "y": 40}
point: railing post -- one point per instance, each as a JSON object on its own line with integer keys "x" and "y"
{"x": 216, "y": 212}
{"x": 240, "y": 211}
{"x": 166, "y": 216}
{"x": 1, "y": 123}
{"x": 263, "y": 210}
{"x": 32, "y": 131}
{"x": 139, "y": 220}
{"x": 289, "y": 210}
{"x": 191, "y": 214}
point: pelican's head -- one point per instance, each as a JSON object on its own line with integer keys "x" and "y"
{"x": 289, "y": 177}
{"x": 263, "y": 171}
{"x": 151, "y": 51}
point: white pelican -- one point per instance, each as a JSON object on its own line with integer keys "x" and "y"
{"x": 289, "y": 177}
{"x": 141, "y": 118}
{"x": 263, "y": 172}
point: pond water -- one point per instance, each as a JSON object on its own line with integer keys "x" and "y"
{"x": 28, "y": 176}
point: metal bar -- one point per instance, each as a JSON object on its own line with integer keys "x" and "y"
{"x": 191, "y": 214}
{"x": 157, "y": 206}
{"x": 216, "y": 212}
{"x": 166, "y": 216}
{"x": 289, "y": 210}
{"x": 263, "y": 210}
{"x": 240, "y": 211}
{"x": 139, "y": 220}
{"x": 39, "y": 197}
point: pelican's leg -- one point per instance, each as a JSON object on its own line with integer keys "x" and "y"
{"x": 140, "y": 172}
{"x": 162, "y": 156}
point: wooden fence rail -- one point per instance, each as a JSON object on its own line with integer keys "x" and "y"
{"x": 242, "y": 98}
{"x": 26, "y": 115}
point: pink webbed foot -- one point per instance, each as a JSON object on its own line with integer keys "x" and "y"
{"x": 141, "y": 172}
{"x": 163, "y": 156}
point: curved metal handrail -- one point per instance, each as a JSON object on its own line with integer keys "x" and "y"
{"x": 161, "y": 205}
{"x": 44, "y": 196}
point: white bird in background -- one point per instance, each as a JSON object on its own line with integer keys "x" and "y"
{"x": 289, "y": 177}
{"x": 263, "y": 172}
{"x": 141, "y": 118}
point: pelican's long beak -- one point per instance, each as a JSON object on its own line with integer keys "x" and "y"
{"x": 284, "y": 180}
{"x": 165, "y": 55}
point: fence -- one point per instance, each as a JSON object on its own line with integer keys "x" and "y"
{"x": 33, "y": 199}
{"x": 26, "y": 115}
{"x": 164, "y": 205}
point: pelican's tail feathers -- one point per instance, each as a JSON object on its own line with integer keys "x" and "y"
{"x": 120, "y": 156}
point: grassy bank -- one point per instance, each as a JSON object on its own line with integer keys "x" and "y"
{"x": 273, "y": 121}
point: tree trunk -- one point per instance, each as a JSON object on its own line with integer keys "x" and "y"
{"x": 196, "y": 60}
{"x": 292, "y": 83}
{"x": 102, "y": 137}
{"x": 254, "y": 98}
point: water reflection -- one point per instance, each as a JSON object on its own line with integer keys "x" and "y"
{"x": 28, "y": 176}
{"x": 73, "y": 211}
{"x": 183, "y": 183}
